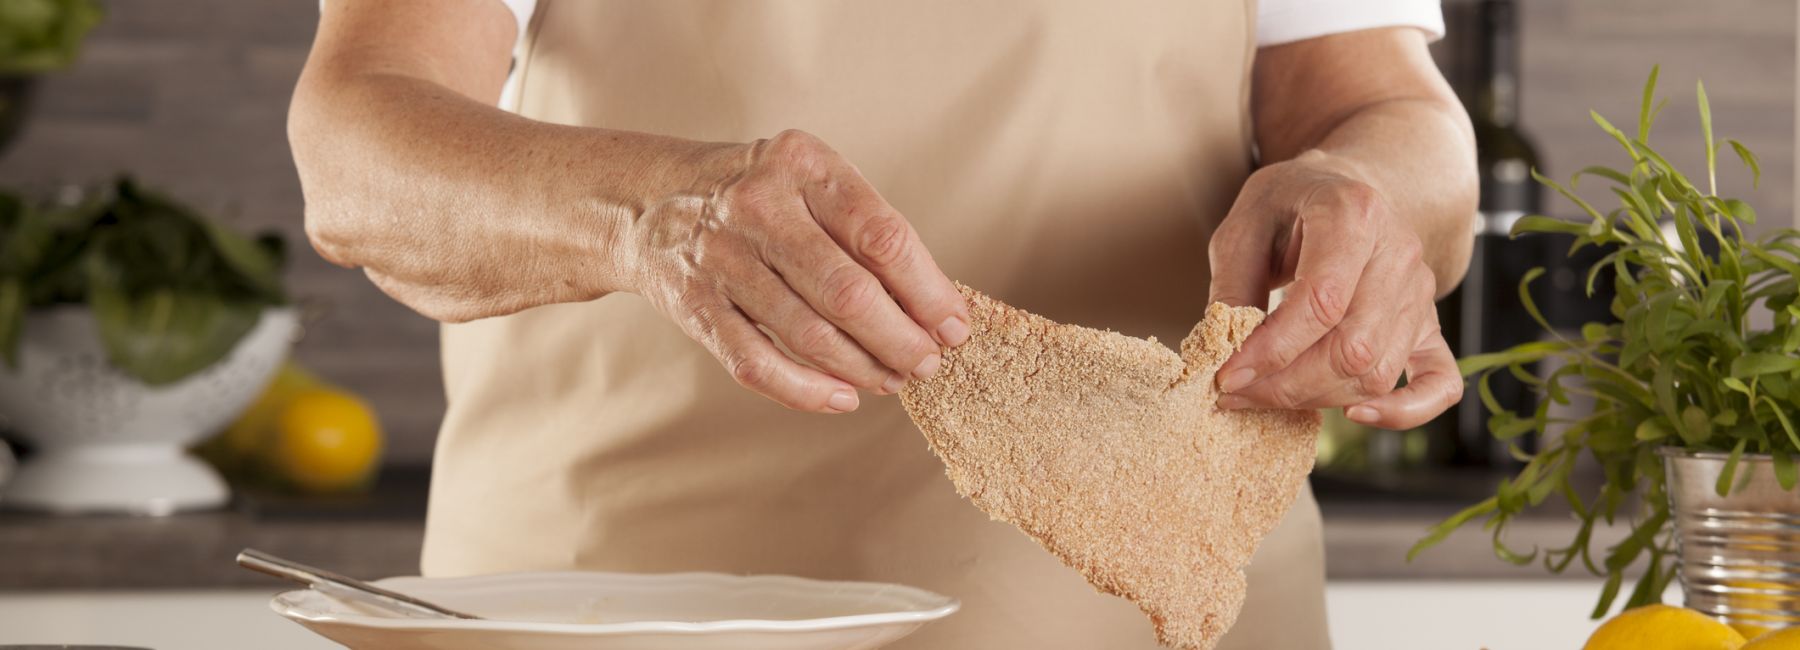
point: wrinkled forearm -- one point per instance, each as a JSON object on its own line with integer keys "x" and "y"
{"x": 462, "y": 211}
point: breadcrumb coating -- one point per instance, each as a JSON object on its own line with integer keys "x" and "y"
{"x": 1110, "y": 451}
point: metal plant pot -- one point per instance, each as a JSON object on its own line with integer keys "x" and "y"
{"x": 1738, "y": 555}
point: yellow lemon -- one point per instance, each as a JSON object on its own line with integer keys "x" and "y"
{"x": 1752, "y": 595}
{"x": 1788, "y": 639}
{"x": 1756, "y": 594}
{"x": 326, "y": 440}
{"x": 253, "y": 430}
{"x": 1664, "y": 627}
{"x": 1749, "y": 630}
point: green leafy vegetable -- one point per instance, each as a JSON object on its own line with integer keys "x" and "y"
{"x": 42, "y": 35}
{"x": 1683, "y": 366}
{"x": 172, "y": 291}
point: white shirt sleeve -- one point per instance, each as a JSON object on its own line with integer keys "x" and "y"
{"x": 1286, "y": 21}
{"x": 522, "y": 10}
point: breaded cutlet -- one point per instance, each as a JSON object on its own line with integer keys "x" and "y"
{"x": 1110, "y": 451}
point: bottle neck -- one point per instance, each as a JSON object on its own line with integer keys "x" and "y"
{"x": 1498, "y": 100}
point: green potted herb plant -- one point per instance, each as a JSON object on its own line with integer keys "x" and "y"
{"x": 1693, "y": 426}
{"x": 130, "y": 326}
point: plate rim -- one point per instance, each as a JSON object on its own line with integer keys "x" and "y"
{"x": 282, "y": 604}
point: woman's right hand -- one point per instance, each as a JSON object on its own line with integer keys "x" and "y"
{"x": 462, "y": 211}
{"x": 792, "y": 239}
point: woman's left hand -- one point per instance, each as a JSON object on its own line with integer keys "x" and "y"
{"x": 1359, "y": 309}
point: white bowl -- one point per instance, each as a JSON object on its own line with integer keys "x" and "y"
{"x": 566, "y": 610}
{"x": 105, "y": 441}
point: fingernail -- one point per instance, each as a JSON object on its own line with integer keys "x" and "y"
{"x": 1233, "y": 402}
{"x": 928, "y": 367}
{"x": 843, "y": 401}
{"x": 953, "y": 331}
{"x": 1237, "y": 379}
{"x": 1362, "y": 414}
{"x": 893, "y": 384}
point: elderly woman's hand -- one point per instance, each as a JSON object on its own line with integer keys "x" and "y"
{"x": 1359, "y": 308}
{"x": 793, "y": 242}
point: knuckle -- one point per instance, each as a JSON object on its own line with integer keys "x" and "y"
{"x": 1325, "y": 304}
{"x": 797, "y": 148}
{"x": 703, "y": 326}
{"x": 1380, "y": 379}
{"x": 755, "y": 372}
{"x": 1360, "y": 200}
{"x": 695, "y": 299}
{"x": 816, "y": 339}
{"x": 743, "y": 196}
{"x": 748, "y": 207}
{"x": 1288, "y": 394}
{"x": 885, "y": 241}
{"x": 1353, "y": 356}
{"x": 793, "y": 138}
{"x": 849, "y": 293}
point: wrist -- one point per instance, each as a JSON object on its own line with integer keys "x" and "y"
{"x": 646, "y": 197}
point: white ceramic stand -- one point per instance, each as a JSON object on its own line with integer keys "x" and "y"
{"x": 129, "y": 479}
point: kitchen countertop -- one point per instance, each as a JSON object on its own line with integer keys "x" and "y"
{"x": 375, "y": 535}
{"x": 1366, "y": 538}
{"x": 1388, "y": 615}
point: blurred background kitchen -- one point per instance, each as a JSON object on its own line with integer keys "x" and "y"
{"x": 189, "y": 98}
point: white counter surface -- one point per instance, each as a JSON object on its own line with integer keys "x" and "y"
{"x": 1456, "y": 615}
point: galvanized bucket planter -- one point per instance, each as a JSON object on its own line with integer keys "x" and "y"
{"x": 1738, "y": 555}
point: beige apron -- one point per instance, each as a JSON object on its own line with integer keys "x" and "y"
{"x": 1067, "y": 156}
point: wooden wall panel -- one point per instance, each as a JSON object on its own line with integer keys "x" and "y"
{"x": 1595, "y": 54}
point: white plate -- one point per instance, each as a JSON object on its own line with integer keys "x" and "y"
{"x": 623, "y": 611}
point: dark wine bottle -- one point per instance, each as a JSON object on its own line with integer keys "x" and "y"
{"x": 1485, "y": 314}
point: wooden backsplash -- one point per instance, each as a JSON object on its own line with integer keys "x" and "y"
{"x": 192, "y": 95}
{"x": 1595, "y": 54}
